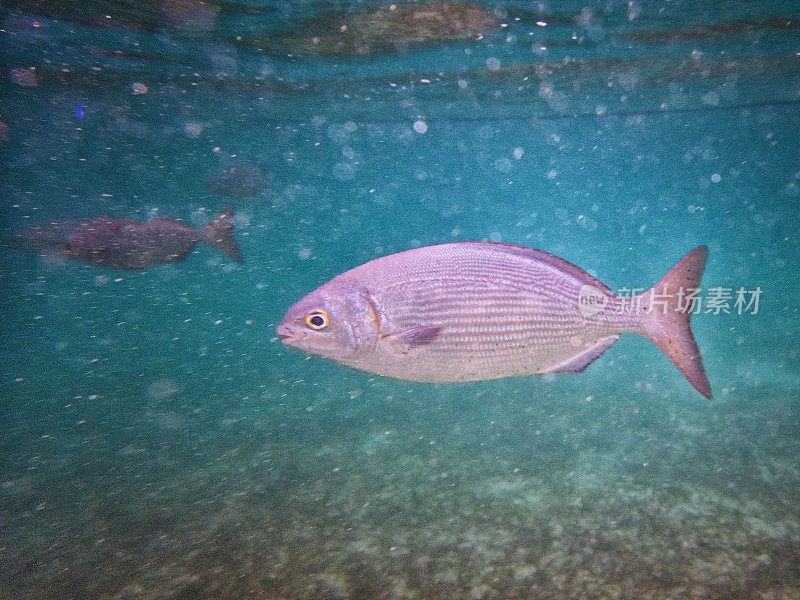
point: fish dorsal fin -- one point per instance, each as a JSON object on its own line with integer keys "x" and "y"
{"x": 408, "y": 339}
{"x": 579, "y": 362}
{"x": 546, "y": 258}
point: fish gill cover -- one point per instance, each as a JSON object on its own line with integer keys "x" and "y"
{"x": 156, "y": 439}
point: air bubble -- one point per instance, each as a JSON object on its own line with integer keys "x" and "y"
{"x": 503, "y": 165}
{"x": 344, "y": 171}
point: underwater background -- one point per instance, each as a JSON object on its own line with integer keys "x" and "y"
{"x": 158, "y": 441}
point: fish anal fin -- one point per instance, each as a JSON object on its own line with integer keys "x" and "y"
{"x": 579, "y": 362}
{"x": 414, "y": 337}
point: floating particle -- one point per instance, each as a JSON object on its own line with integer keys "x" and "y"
{"x": 162, "y": 388}
{"x": 25, "y": 77}
{"x": 586, "y": 17}
{"x": 193, "y": 129}
{"x": 343, "y": 171}
{"x": 710, "y": 98}
{"x": 586, "y": 222}
{"x": 420, "y": 126}
{"x": 485, "y": 132}
{"x": 198, "y": 16}
{"x": 338, "y": 133}
{"x": 503, "y": 164}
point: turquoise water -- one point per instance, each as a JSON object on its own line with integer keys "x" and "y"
{"x": 159, "y": 442}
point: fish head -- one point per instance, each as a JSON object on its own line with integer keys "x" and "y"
{"x": 337, "y": 321}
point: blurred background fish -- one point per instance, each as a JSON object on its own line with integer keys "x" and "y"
{"x": 127, "y": 244}
{"x": 238, "y": 181}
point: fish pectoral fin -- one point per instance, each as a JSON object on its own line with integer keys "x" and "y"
{"x": 579, "y": 362}
{"x": 408, "y": 339}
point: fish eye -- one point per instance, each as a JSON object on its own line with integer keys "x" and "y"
{"x": 317, "y": 320}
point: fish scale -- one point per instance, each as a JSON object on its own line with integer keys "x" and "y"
{"x": 490, "y": 317}
{"x": 490, "y": 331}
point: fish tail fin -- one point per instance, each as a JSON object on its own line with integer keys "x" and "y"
{"x": 668, "y": 310}
{"x": 220, "y": 235}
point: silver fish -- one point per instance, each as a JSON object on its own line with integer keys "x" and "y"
{"x": 471, "y": 311}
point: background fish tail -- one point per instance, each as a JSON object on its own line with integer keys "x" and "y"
{"x": 667, "y": 312}
{"x": 220, "y": 235}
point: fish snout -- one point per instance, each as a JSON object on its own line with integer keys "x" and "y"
{"x": 292, "y": 337}
{"x": 286, "y": 333}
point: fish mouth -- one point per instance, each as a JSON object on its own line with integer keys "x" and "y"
{"x": 286, "y": 334}
{"x": 290, "y": 337}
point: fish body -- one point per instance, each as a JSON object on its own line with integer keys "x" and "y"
{"x": 127, "y": 244}
{"x": 472, "y": 311}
